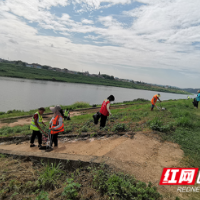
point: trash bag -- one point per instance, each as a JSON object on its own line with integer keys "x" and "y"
{"x": 96, "y": 117}
{"x": 67, "y": 118}
{"x": 195, "y": 102}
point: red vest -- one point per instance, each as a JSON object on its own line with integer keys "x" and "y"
{"x": 55, "y": 123}
{"x": 103, "y": 109}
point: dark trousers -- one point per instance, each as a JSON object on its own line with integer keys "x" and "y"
{"x": 103, "y": 121}
{"x": 39, "y": 136}
{"x": 54, "y": 140}
{"x": 195, "y": 103}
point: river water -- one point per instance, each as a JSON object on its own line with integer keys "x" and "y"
{"x": 22, "y": 94}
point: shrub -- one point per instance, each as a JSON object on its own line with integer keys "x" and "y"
{"x": 119, "y": 127}
{"x": 9, "y": 111}
{"x": 2, "y": 113}
{"x": 71, "y": 189}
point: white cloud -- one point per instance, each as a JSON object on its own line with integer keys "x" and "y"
{"x": 92, "y": 37}
{"x": 159, "y": 34}
{"x": 96, "y": 4}
{"x": 86, "y": 21}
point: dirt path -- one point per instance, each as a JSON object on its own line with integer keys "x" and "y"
{"x": 143, "y": 156}
{"x": 27, "y": 121}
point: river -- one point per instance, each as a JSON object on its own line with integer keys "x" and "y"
{"x": 23, "y": 94}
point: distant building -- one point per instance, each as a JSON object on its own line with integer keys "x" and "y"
{"x": 29, "y": 65}
{"x": 86, "y": 73}
{"x": 58, "y": 69}
{"x": 64, "y": 70}
{"x": 72, "y": 72}
{"x": 37, "y": 66}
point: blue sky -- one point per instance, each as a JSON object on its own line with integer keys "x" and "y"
{"x": 155, "y": 41}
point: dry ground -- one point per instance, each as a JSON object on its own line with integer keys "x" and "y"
{"x": 144, "y": 156}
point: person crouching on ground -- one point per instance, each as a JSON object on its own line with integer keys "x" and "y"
{"x": 154, "y": 100}
{"x": 36, "y": 122}
{"x": 56, "y": 124}
{"x": 105, "y": 110}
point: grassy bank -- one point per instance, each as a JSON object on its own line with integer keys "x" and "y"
{"x": 39, "y": 181}
{"x": 180, "y": 123}
{"x": 17, "y": 71}
{"x": 76, "y": 105}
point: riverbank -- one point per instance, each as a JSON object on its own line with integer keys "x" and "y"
{"x": 150, "y": 140}
{"x": 18, "y": 71}
{"x": 74, "y": 107}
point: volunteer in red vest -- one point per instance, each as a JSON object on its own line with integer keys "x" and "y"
{"x": 56, "y": 124}
{"x": 36, "y": 123}
{"x": 154, "y": 100}
{"x": 105, "y": 110}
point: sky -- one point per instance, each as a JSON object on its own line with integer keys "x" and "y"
{"x": 154, "y": 41}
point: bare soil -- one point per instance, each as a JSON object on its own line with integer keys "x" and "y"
{"x": 144, "y": 156}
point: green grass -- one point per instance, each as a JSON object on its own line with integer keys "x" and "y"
{"x": 18, "y": 71}
{"x": 17, "y": 113}
{"x": 122, "y": 186}
{"x": 11, "y": 131}
{"x": 47, "y": 181}
{"x": 180, "y": 123}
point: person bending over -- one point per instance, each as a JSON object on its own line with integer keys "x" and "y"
{"x": 105, "y": 110}
{"x": 154, "y": 100}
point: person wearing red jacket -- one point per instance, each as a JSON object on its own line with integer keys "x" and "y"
{"x": 105, "y": 110}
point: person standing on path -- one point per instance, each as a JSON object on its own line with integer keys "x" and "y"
{"x": 154, "y": 100}
{"x": 105, "y": 110}
{"x": 36, "y": 123}
{"x": 56, "y": 125}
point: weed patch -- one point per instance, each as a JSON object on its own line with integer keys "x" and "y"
{"x": 122, "y": 187}
{"x": 49, "y": 176}
{"x": 119, "y": 127}
{"x": 157, "y": 125}
{"x": 71, "y": 189}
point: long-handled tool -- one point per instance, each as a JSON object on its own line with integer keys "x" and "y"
{"x": 162, "y": 108}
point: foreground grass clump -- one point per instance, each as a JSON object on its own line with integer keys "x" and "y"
{"x": 41, "y": 181}
{"x": 49, "y": 177}
{"x": 119, "y": 127}
{"x": 71, "y": 189}
{"x": 122, "y": 187}
{"x": 157, "y": 125}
